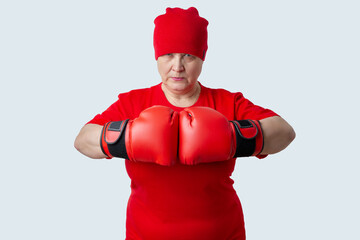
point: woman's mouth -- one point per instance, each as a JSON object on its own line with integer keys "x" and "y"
{"x": 177, "y": 78}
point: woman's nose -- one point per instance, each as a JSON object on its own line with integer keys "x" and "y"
{"x": 177, "y": 65}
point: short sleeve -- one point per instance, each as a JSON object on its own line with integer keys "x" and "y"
{"x": 128, "y": 106}
{"x": 245, "y": 109}
{"x": 110, "y": 114}
{"x": 122, "y": 109}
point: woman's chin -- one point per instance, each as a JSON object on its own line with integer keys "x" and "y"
{"x": 179, "y": 87}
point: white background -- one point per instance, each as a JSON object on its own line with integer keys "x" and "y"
{"x": 62, "y": 62}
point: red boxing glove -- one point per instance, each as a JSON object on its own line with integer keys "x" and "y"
{"x": 152, "y": 137}
{"x": 205, "y": 135}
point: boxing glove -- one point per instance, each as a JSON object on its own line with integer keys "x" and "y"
{"x": 152, "y": 137}
{"x": 206, "y": 135}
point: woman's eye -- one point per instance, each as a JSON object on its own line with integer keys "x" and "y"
{"x": 189, "y": 57}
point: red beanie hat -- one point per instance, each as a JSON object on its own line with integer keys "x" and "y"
{"x": 180, "y": 31}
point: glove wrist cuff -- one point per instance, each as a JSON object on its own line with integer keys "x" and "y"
{"x": 249, "y": 138}
{"x": 112, "y": 140}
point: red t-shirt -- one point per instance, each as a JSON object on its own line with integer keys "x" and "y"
{"x": 183, "y": 202}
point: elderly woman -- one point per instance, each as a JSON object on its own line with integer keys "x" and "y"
{"x": 181, "y": 140}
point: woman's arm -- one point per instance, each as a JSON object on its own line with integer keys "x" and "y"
{"x": 88, "y": 141}
{"x": 278, "y": 134}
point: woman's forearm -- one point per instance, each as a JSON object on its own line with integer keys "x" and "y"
{"x": 88, "y": 141}
{"x": 278, "y": 134}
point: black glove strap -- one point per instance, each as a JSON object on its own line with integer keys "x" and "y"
{"x": 116, "y": 147}
{"x": 245, "y": 147}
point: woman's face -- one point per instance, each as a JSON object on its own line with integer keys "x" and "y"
{"x": 179, "y": 71}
